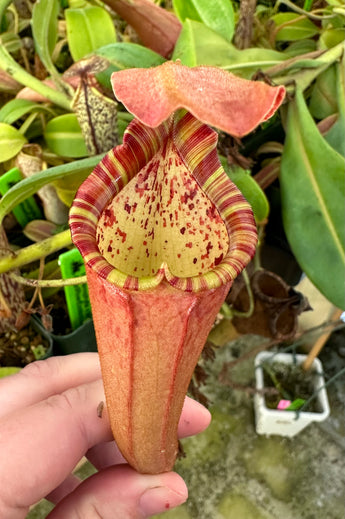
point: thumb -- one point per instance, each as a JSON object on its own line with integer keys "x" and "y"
{"x": 119, "y": 492}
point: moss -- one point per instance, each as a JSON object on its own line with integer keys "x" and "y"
{"x": 236, "y": 506}
{"x": 269, "y": 460}
{"x": 177, "y": 513}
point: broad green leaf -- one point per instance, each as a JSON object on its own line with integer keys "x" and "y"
{"x": 336, "y": 135}
{"x": 63, "y": 136}
{"x": 250, "y": 190}
{"x": 11, "y": 142}
{"x": 199, "y": 45}
{"x": 313, "y": 202}
{"x": 293, "y": 27}
{"x": 44, "y": 29}
{"x": 88, "y": 29}
{"x": 218, "y": 15}
{"x": 17, "y": 108}
{"x": 323, "y": 100}
{"x": 331, "y": 37}
{"x": 122, "y": 55}
{"x": 298, "y": 47}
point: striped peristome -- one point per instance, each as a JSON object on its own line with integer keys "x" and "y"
{"x": 194, "y": 145}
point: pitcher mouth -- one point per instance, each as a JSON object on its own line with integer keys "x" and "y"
{"x": 121, "y": 165}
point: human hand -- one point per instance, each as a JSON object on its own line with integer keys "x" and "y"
{"x": 49, "y": 421}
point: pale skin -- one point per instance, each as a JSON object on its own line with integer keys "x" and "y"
{"x": 49, "y": 421}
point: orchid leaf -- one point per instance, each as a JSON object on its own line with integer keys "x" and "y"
{"x": 18, "y": 108}
{"x": 31, "y": 185}
{"x": 199, "y": 45}
{"x": 313, "y": 202}
{"x": 11, "y": 142}
{"x": 331, "y": 37}
{"x": 336, "y": 135}
{"x": 66, "y": 187}
{"x": 323, "y": 101}
{"x": 218, "y": 15}
{"x": 64, "y": 137}
{"x": 122, "y": 55}
{"x": 214, "y": 96}
{"x": 44, "y": 29}
{"x": 293, "y": 27}
{"x": 88, "y": 29}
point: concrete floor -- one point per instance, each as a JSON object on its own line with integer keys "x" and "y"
{"x": 232, "y": 473}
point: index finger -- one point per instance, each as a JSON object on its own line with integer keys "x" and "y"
{"x": 44, "y": 378}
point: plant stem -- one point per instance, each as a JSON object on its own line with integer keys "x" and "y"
{"x": 9, "y": 65}
{"x": 304, "y": 11}
{"x": 48, "y": 283}
{"x": 250, "y": 310}
{"x": 266, "y": 366}
{"x": 35, "y": 251}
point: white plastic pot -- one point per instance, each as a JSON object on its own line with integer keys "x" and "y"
{"x": 280, "y": 422}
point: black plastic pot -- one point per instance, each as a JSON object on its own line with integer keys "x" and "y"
{"x": 81, "y": 339}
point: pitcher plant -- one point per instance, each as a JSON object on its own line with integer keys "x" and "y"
{"x": 163, "y": 233}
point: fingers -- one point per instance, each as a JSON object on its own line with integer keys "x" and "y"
{"x": 41, "y": 379}
{"x": 121, "y": 493}
{"x": 44, "y": 442}
{"x": 195, "y": 418}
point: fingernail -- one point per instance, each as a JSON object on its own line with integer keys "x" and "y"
{"x": 160, "y": 499}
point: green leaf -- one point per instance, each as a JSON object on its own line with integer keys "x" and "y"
{"x": 336, "y": 135}
{"x": 66, "y": 187}
{"x": 17, "y": 108}
{"x": 323, "y": 101}
{"x": 63, "y": 136}
{"x": 296, "y": 28}
{"x": 295, "y": 405}
{"x": 331, "y": 37}
{"x": 313, "y": 202}
{"x": 45, "y": 30}
{"x": 250, "y": 190}
{"x": 298, "y": 47}
{"x": 199, "y": 45}
{"x": 31, "y": 185}
{"x": 5, "y": 372}
{"x": 122, "y": 55}
{"x": 185, "y": 9}
{"x": 88, "y": 29}
{"x": 11, "y": 142}
{"x": 218, "y": 15}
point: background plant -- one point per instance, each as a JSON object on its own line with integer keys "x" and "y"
{"x": 57, "y": 128}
